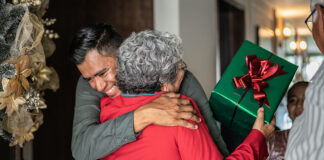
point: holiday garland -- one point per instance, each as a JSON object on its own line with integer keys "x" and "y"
{"x": 24, "y": 45}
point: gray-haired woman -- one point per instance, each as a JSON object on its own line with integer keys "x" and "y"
{"x": 148, "y": 64}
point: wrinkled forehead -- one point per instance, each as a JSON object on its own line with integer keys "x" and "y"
{"x": 95, "y": 63}
{"x": 312, "y": 7}
{"x": 314, "y": 2}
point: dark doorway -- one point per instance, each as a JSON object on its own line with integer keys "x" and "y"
{"x": 53, "y": 139}
{"x": 232, "y": 31}
{"x": 232, "y": 35}
{"x": 4, "y": 149}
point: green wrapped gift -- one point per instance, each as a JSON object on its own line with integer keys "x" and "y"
{"x": 255, "y": 78}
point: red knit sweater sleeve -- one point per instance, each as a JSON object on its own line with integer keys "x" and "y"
{"x": 198, "y": 144}
{"x": 254, "y": 147}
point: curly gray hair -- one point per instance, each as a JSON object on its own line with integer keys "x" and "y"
{"x": 147, "y": 59}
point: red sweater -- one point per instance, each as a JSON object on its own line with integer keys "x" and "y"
{"x": 174, "y": 143}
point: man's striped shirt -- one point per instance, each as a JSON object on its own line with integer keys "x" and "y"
{"x": 306, "y": 138}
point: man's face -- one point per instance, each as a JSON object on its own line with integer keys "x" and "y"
{"x": 100, "y": 71}
{"x": 318, "y": 29}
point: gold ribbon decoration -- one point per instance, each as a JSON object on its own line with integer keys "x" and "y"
{"x": 20, "y": 82}
{"x": 8, "y": 100}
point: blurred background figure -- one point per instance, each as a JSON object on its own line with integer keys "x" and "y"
{"x": 295, "y": 98}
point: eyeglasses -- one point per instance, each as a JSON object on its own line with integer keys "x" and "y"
{"x": 183, "y": 66}
{"x": 309, "y": 19}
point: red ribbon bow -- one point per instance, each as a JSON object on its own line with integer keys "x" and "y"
{"x": 258, "y": 71}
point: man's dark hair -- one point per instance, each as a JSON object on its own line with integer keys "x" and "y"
{"x": 104, "y": 38}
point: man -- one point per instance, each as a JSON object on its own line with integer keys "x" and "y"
{"x": 93, "y": 51}
{"x": 307, "y": 133}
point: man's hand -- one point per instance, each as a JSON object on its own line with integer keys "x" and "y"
{"x": 166, "y": 110}
{"x": 266, "y": 129}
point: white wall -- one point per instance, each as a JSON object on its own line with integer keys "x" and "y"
{"x": 197, "y": 28}
{"x": 166, "y": 16}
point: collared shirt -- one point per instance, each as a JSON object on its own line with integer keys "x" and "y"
{"x": 306, "y": 136}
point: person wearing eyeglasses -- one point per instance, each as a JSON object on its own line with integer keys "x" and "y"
{"x": 306, "y": 136}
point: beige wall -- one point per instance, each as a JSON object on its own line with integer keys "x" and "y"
{"x": 197, "y": 28}
{"x": 196, "y": 23}
{"x": 257, "y": 12}
{"x": 166, "y": 16}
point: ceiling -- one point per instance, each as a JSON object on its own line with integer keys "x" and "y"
{"x": 291, "y": 8}
{"x": 290, "y": 3}
{"x": 293, "y": 12}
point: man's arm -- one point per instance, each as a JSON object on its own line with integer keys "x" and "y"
{"x": 191, "y": 87}
{"x": 90, "y": 139}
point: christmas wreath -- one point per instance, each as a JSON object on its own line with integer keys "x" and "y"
{"x": 24, "y": 46}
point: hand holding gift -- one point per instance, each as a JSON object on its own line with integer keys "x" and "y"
{"x": 255, "y": 79}
{"x": 266, "y": 129}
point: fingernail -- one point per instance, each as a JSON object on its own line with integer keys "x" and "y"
{"x": 199, "y": 119}
{"x": 196, "y": 126}
{"x": 262, "y": 109}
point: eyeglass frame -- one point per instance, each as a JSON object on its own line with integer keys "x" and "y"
{"x": 306, "y": 20}
{"x": 184, "y": 66}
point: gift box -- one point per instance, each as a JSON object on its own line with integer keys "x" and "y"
{"x": 255, "y": 78}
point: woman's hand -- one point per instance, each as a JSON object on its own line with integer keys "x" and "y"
{"x": 266, "y": 129}
{"x": 166, "y": 110}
